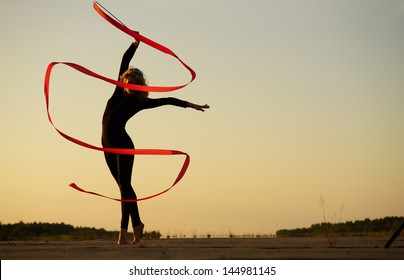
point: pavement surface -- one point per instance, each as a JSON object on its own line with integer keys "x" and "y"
{"x": 288, "y": 248}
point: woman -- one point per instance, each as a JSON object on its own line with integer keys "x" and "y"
{"x": 123, "y": 105}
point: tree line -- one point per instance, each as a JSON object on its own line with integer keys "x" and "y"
{"x": 377, "y": 227}
{"x": 58, "y": 231}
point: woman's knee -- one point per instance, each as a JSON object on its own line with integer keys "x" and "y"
{"x": 128, "y": 192}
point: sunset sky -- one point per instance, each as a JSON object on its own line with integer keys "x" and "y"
{"x": 306, "y": 96}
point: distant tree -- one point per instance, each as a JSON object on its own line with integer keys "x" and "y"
{"x": 54, "y": 231}
{"x": 384, "y": 226}
{"x": 152, "y": 235}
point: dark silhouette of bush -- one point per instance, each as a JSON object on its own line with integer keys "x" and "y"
{"x": 378, "y": 227}
{"x": 57, "y": 231}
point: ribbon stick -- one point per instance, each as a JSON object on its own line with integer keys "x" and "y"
{"x": 115, "y": 22}
{"x": 145, "y": 40}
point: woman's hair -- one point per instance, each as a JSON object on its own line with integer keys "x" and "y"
{"x": 134, "y": 76}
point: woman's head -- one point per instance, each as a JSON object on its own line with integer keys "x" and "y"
{"x": 134, "y": 76}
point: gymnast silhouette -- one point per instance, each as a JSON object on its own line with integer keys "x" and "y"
{"x": 124, "y": 104}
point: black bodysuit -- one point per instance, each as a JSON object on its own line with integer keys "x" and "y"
{"x": 120, "y": 108}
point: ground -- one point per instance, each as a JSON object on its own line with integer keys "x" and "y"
{"x": 288, "y": 248}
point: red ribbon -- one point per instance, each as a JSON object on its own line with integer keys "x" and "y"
{"x": 88, "y": 72}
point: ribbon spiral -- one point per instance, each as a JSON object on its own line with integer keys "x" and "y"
{"x": 88, "y": 72}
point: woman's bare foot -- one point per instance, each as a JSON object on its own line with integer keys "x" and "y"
{"x": 123, "y": 236}
{"x": 138, "y": 233}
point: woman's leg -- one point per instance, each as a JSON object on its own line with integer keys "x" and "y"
{"x": 125, "y": 165}
{"x": 121, "y": 168}
{"x": 112, "y": 162}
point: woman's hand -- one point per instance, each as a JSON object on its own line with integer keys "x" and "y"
{"x": 136, "y": 42}
{"x": 198, "y": 107}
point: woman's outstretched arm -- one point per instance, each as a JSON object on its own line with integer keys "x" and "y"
{"x": 153, "y": 103}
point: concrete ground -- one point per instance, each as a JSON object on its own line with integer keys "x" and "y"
{"x": 308, "y": 248}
